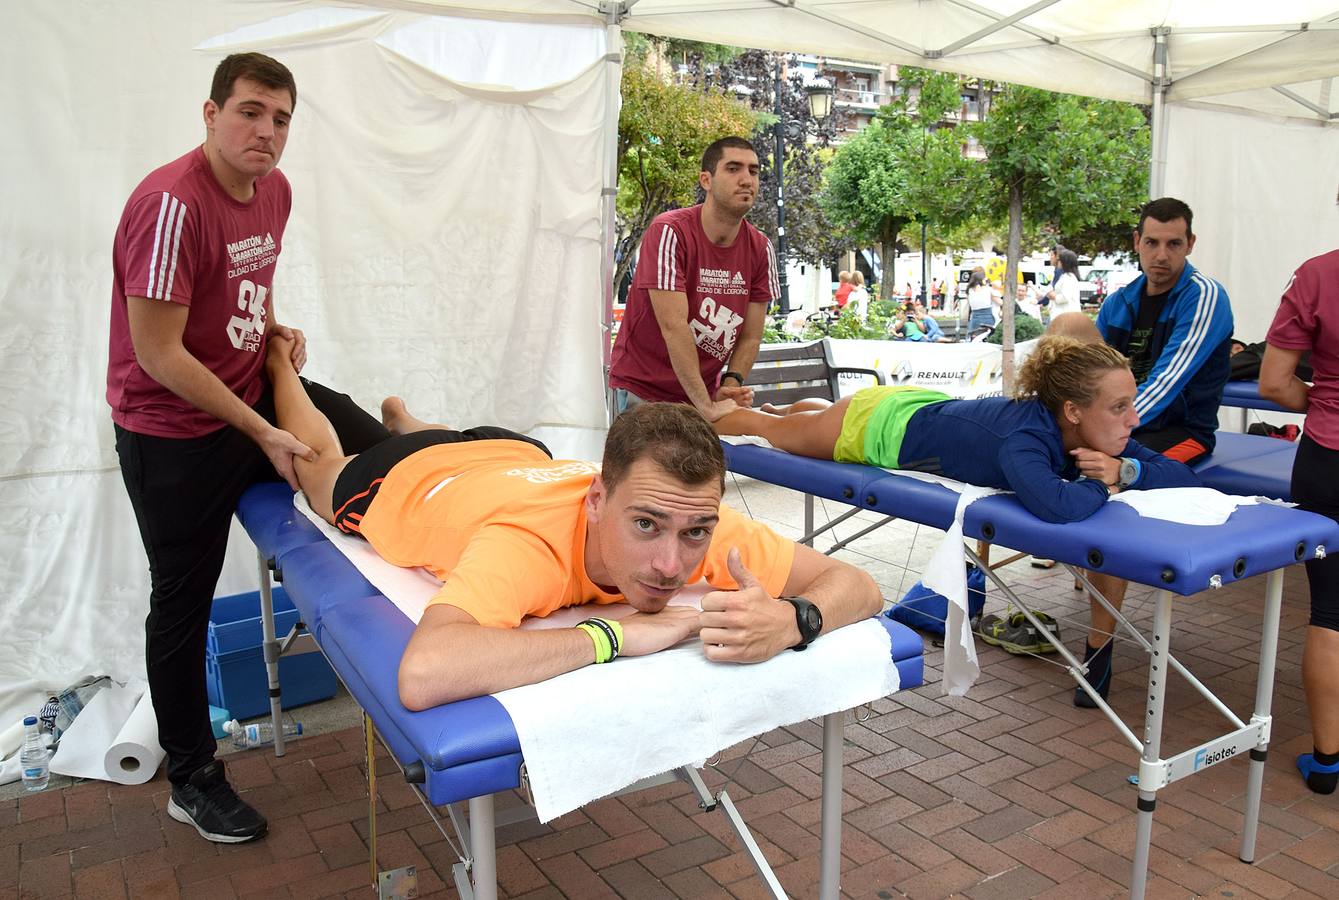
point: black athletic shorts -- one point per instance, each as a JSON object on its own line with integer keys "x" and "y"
{"x": 358, "y": 483}
{"x": 1315, "y": 487}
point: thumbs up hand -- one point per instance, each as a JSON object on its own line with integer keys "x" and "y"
{"x": 746, "y": 625}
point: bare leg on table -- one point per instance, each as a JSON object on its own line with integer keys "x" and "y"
{"x": 804, "y": 432}
{"x": 297, "y": 415}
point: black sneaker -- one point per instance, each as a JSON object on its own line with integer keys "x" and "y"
{"x": 209, "y": 803}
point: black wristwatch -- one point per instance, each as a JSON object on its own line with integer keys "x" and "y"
{"x": 735, "y": 375}
{"x": 809, "y": 619}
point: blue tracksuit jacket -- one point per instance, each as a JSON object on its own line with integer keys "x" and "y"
{"x": 1191, "y": 346}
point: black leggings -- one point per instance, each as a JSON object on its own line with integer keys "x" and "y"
{"x": 184, "y": 492}
{"x": 1315, "y": 487}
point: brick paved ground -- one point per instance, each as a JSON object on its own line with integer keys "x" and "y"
{"x": 1009, "y": 792}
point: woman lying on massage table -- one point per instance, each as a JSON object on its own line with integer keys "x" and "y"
{"x": 1062, "y": 445}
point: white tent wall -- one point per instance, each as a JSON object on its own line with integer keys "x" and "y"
{"x": 444, "y": 246}
{"x": 1263, "y": 191}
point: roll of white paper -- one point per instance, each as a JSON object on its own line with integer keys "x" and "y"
{"x": 135, "y": 756}
{"x": 114, "y": 738}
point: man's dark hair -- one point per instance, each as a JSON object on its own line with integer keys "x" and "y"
{"x": 672, "y": 435}
{"x": 711, "y": 157}
{"x": 257, "y": 67}
{"x": 1165, "y": 209}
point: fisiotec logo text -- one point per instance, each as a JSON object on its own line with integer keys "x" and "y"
{"x": 1205, "y": 758}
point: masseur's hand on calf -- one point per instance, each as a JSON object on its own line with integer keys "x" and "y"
{"x": 280, "y": 447}
{"x": 1097, "y": 465}
{"x": 717, "y": 408}
{"x": 738, "y": 393}
{"x": 746, "y": 625}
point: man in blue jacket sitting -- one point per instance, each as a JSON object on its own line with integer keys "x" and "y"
{"x": 1175, "y": 325}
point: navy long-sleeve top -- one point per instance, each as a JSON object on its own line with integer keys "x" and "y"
{"x": 1016, "y": 445}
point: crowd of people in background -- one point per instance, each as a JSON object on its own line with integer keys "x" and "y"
{"x": 977, "y": 307}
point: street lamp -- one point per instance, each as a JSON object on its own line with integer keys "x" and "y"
{"x": 820, "y": 98}
{"x": 819, "y": 92}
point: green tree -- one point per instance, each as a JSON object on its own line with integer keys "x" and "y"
{"x": 866, "y": 190}
{"x": 662, "y": 130}
{"x": 905, "y": 168}
{"x": 1073, "y": 162}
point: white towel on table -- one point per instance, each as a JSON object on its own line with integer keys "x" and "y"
{"x": 594, "y": 731}
{"x": 1188, "y": 505}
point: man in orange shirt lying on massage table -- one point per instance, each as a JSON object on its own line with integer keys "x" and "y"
{"x": 512, "y": 532}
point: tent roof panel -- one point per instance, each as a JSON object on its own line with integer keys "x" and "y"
{"x": 1230, "y": 52}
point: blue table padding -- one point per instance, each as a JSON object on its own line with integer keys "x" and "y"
{"x": 1249, "y": 464}
{"x": 306, "y": 573}
{"x": 273, "y": 523}
{"x": 468, "y": 748}
{"x": 815, "y": 476}
{"x": 1246, "y": 395}
{"x": 1115, "y": 540}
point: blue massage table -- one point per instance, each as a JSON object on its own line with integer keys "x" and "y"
{"x": 1245, "y": 396}
{"x": 463, "y": 752}
{"x": 1249, "y": 464}
{"x": 1174, "y": 559}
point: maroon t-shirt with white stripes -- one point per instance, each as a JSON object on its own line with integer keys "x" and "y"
{"x": 183, "y": 239}
{"x": 720, "y": 282}
{"x": 1308, "y": 319}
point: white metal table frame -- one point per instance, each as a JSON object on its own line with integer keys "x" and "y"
{"x": 1155, "y": 772}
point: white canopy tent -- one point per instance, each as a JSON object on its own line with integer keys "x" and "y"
{"x": 453, "y": 174}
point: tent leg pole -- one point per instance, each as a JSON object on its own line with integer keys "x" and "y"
{"x": 1157, "y": 157}
{"x": 613, "y": 61}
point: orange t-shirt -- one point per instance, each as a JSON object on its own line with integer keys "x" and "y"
{"x": 504, "y": 527}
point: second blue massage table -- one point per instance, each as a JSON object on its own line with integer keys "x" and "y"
{"x": 463, "y": 752}
{"x": 1174, "y": 559}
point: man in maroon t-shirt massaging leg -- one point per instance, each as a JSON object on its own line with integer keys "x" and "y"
{"x": 192, "y": 309}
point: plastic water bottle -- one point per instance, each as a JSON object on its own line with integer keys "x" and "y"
{"x": 35, "y": 759}
{"x": 258, "y": 734}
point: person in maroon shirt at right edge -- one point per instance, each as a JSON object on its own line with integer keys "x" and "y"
{"x": 1308, "y": 319}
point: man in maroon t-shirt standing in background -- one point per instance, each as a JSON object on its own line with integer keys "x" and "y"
{"x": 193, "y": 266}
{"x": 699, "y": 300}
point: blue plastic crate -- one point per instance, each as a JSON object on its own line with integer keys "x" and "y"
{"x": 235, "y": 663}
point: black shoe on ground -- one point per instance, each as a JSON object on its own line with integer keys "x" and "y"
{"x": 209, "y": 803}
{"x": 1099, "y": 674}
